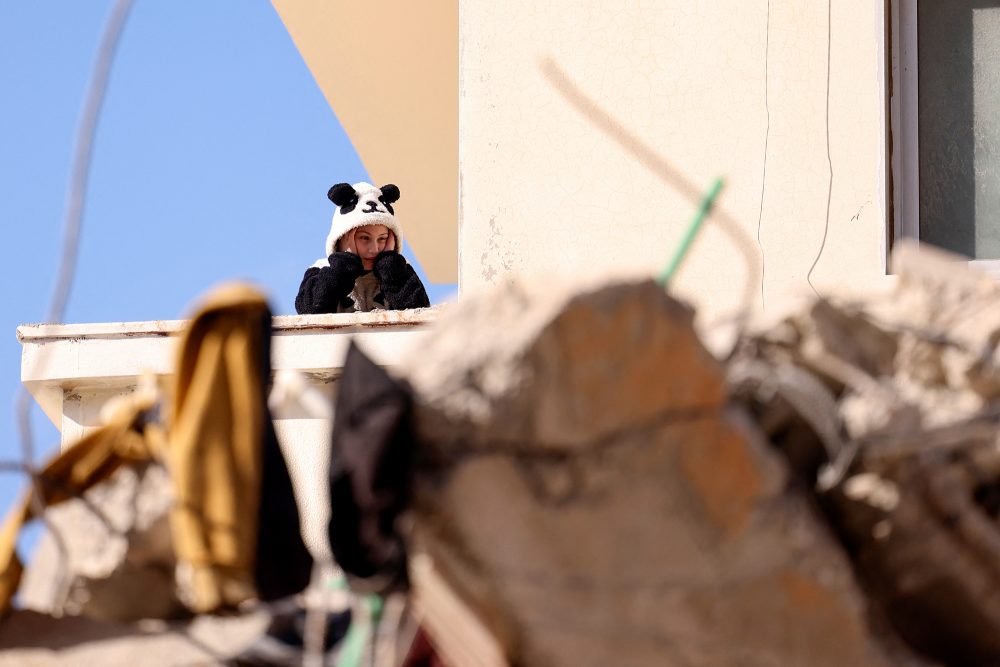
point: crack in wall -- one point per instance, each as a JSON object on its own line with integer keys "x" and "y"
{"x": 857, "y": 216}
{"x": 495, "y": 253}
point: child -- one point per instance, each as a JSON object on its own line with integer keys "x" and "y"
{"x": 363, "y": 269}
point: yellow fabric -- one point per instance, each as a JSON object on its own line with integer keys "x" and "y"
{"x": 212, "y": 453}
{"x": 125, "y": 438}
{"x": 216, "y": 426}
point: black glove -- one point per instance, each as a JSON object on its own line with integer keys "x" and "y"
{"x": 401, "y": 286}
{"x": 345, "y": 267}
{"x": 323, "y": 289}
{"x": 391, "y": 268}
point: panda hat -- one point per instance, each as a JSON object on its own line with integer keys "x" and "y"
{"x": 359, "y": 205}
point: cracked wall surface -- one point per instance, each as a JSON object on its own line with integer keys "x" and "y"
{"x": 585, "y": 136}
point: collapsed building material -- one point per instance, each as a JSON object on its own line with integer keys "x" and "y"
{"x": 28, "y": 638}
{"x": 121, "y": 563}
{"x": 587, "y": 489}
{"x": 129, "y": 437}
{"x": 572, "y": 479}
{"x": 908, "y": 459}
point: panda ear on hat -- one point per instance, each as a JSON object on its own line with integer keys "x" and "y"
{"x": 343, "y": 194}
{"x": 390, "y": 194}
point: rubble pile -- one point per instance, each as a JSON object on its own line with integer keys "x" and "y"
{"x": 569, "y": 477}
{"x": 121, "y": 558}
{"x": 597, "y": 489}
{"x": 891, "y": 405}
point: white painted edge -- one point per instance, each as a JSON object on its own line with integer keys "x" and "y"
{"x": 57, "y": 360}
{"x": 905, "y": 124}
{"x": 883, "y": 73}
{"x": 282, "y": 324}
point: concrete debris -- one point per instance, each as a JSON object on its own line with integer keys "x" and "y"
{"x": 591, "y": 486}
{"x": 914, "y": 491}
{"x": 31, "y": 639}
{"x": 121, "y": 563}
{"x": 589, "y": 490}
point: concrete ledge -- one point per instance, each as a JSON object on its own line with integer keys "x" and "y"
{"x": 282, "y": 324}
{"x": 70, "y": 361}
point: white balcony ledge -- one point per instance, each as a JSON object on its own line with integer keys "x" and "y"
{"x": 73, "y": 369}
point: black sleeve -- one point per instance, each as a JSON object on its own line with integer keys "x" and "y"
{"x": 400, "y": 284}
{"x": 323, "y": 288}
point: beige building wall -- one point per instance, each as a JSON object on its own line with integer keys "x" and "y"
{"x": 389, "y": 70}
{"x": 586, "y": 129}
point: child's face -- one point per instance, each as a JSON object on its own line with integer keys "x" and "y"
{"x": 368, "y": 241}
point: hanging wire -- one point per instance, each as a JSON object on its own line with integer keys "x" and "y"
{"x": 76, "y": 195}
{"x": 75, "y": 202}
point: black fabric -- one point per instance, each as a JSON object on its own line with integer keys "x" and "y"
{"x": 400, "y": 284}
{"x": 289, "y": 628}
{"x": 323, "y": 289}
{"x": 283, "y": 565}
{"x": 370, "y": 467}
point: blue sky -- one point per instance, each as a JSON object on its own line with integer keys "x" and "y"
{"x": 212, "y": 160}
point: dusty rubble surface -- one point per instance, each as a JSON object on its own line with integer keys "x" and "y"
{"x": 120, "y": 564}
{"x": 894, "y": 403}
{"x": 31, "y": 639}
{"x": 587, "y": 486}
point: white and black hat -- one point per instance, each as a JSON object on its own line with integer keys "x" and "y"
{"x": 359, "y": 205}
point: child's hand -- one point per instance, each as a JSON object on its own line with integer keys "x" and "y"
{"x": 390, "y": 267}
{"x": 348, "y": 242}
{"x": 390, "y": 243}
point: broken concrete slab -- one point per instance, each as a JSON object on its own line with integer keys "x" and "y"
{"x": 912, "y": 491}
{"x": 588, "y": 490}
{"x": 121, "y": 563}
{"x": 32, "y": 639}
